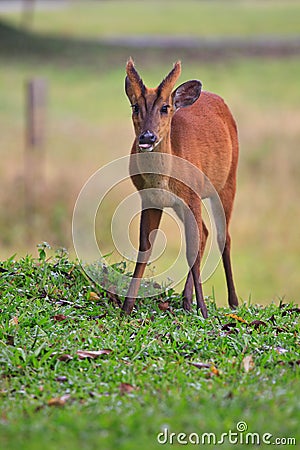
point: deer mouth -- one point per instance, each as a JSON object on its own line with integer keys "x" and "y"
{"x": 146, "y": 147}
{"x": 149, "y": 147}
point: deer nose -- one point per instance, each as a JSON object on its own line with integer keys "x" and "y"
{"x": 146, "y": 140}
{"x": 147, "y": 137}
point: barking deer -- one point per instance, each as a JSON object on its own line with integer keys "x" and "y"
{"x": 198, "y": 128}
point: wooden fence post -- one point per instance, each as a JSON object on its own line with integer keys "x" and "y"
{"x": 35, "y": 111}
{"x": 28, "y": 12}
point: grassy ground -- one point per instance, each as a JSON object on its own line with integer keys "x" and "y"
{"x": 160, "y": 368}
{"x": 76, "y": 375}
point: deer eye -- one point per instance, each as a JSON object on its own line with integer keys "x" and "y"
{"x": 135, "y": 108}
{"x": 164, "y": 109}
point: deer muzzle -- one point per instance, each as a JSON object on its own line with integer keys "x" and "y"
{"x": 147, "y": 141}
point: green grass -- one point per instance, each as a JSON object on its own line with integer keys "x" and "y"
{"x": 147, "y": 376}
{"x": 205, "y": 18}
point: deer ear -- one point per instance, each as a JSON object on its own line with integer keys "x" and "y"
{"x": 186, "y": 94}
{"x": 129, "y": 91}
{"x": 134, "y": 86}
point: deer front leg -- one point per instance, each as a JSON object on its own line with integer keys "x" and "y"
{"x": 150, "y": 219}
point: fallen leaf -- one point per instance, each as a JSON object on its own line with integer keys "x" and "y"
{"x": 231, "y": 331}
{"x": 257, "y": 323}
{"x": 291, "y": 310}
{"x": 201, "y": 365}
{"x": 65, "y": 357}
{"x": 126, "y": 388}
{"x": 94, "y": 297}
{"x": 60, "y": 317}
{"x": 10, "y": 340}
{"x": 295, "y": 363}
{"x": 228, "y": 326}
{"x": 229, "y": 396}
{"x": 59, "y": 401}
{"x": 61, "y": 378}
{"x": 14, "y": 321}
{"x": 248, "y": 363}
{"x": 283, "y": 305}
{"x": 100, "y": 316}
{"x": 214, "y": 370}
{"x": 272, "y": 319}
{"x": 62, "y": 302}
{"x": 164, "y": 306}
{"x": 280, "y": 350}
{"x": 71, "y": 270}
{"x": 280, "y": 330}
{"x": 98, "y": 395}
{"x": 238, "y": 318}
{"x": 82, "y": 354}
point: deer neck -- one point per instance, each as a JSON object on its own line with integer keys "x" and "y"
{"x": 157, "y": 167}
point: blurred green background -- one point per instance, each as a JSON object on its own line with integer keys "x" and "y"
{"x": 246, "y": 51}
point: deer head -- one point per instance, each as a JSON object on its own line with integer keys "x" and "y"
{"x": 153, "y": 109}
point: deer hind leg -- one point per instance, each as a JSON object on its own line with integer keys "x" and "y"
{"x": 193, "y": 235}
{"x": 227, "y": 198}
{"x": 189, "y": 284}
{"x": 150, "y": 220}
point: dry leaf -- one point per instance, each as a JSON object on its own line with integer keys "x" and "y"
{"x": 257, "y": 323}
{"x": 60, "y": 317}
{"x": 126, "y": 388}
{"x": 82, "y": 354}
{"x": 201, "y": 365}
{"x": 228, "y": 326}
{"x": 10, "y": 340}
{"x": 61, "y": 378}
{"x": 71, "y": 270}
{"x": 238, "y": 318}
{"x": 295, "y": 363}
{"x": 14, "y": 321}
{"x": 65, "y": 357}
{"x": 280, "y": 330}
{"x": 291, "y": 310}
{"x": 214, "y": 370}
{"x": 59, "y": 401}
{"x": 62, "y": 302}
{"x": 272, "y": 319}
{"x": 248, "y": 363}
{"x": 280, "y": 350}
{"x": 94, "y": 297}
{"x": 164, "y": 306}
